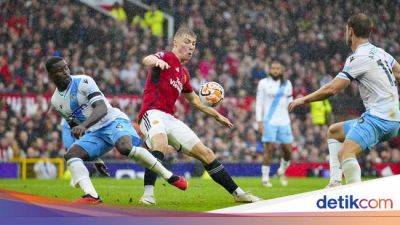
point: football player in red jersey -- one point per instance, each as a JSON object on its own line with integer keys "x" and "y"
{"x": 167, "y": 78}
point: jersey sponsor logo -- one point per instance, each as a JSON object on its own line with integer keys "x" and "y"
{"x": 176, "y": 84}
{"x": 154, "y": 122}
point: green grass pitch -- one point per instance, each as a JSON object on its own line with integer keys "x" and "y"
{"x": 202, "y": 195}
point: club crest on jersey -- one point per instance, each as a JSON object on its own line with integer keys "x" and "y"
{"x": 176, "y": 84}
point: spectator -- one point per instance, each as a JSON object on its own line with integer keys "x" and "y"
{"x": 320, "y": 112}
{"x": 118, "y": 12}
{"x": 154, "y": 18}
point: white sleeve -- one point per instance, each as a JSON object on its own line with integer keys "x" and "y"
{"x": 259, "y": 101}
{"x": 91, "y": 90}
{"x": 390, "y": 60}
{"x": 354, "y": 67}
{"x": 289, "y": 92}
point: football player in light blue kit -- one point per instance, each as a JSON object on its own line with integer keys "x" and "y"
{"x": 98, "y": 127}
{"x": 274, "y": 93}
{"x": 375, "y": 71}
{"x": 68, "y": 139}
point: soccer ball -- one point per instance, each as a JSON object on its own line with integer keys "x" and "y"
{"x": 211, "y": 93}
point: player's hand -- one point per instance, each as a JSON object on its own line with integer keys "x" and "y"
{"x": 162, "y": 64}
{"x": 260, "y": 127}
{"x": 297, "y": 102}
{"x": 78, "y": 131}
{"x": 224, "y": 121}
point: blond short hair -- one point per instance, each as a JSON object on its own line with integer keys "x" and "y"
{"x": 184, "y": 30}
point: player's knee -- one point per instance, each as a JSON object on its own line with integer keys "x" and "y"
{"x": 334, "y": 132}
{"x": 76, "y": 152}
{"x": 268, "y": 147}
{"x": 349, "y": 150}
{"x": 124, "y": 145}
{"x": 207, "y": 155}
{"x": 287, "y": 151}
{"x": 331, "y": 131}
{"x": 68, "y": 156}
{"x": 346, "y": 153}
{"x": 341, "y": 155}
{"x": 267, "y": 154}
{"x": 210, "y": 156}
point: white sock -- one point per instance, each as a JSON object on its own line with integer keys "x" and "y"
{"x": 265, "y": 173}
{"x": 238, "y": 191}
{"x": 351, "y": 170}
{"x": 80, "y": 176}
{"x": 284, "y": 165}
{"x": 148, "y": 190}
{"x": 146, "y": 159}
{"x": 334, "y": 147}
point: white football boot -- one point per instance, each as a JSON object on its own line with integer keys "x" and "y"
{"x": 147, "y": 200}
{"x": 266, "y": 184}
{"x": 333, "y": 184}
{"x": 246, "y": 198}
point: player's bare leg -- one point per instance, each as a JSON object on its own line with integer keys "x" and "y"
{"x": 159, "y": 147}
{"x": 285, "y": 162}
{"x": 266, "y": 165}
{"x": 146, "y": 159}
{"x": 80, "y": 174}
{"x": 218, "y": 173}
{"x": 347, "y": 156}
{"x": 335, "y": 138}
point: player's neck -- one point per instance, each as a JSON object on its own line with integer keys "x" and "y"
{"x": 63, "y": 85}
{"x": 357, "y": 42}
{"x": 176, "y": 53}
{"x": 275, "y": 78}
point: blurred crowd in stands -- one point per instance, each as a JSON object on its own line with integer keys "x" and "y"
{"x": 236, "y": 42}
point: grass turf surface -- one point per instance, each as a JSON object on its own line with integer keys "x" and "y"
{"x": 202, "y": 195}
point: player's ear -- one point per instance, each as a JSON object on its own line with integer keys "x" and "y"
{"x": 351, "y": 32}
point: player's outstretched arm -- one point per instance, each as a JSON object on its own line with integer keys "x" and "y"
{"x": 323, "y": 93}
{"x": 195, "y": 101}
{"x": 99, "y": 111}
{"x": 153, "y": 61}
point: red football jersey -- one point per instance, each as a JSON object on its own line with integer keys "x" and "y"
{"x": 163, "y": 87}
